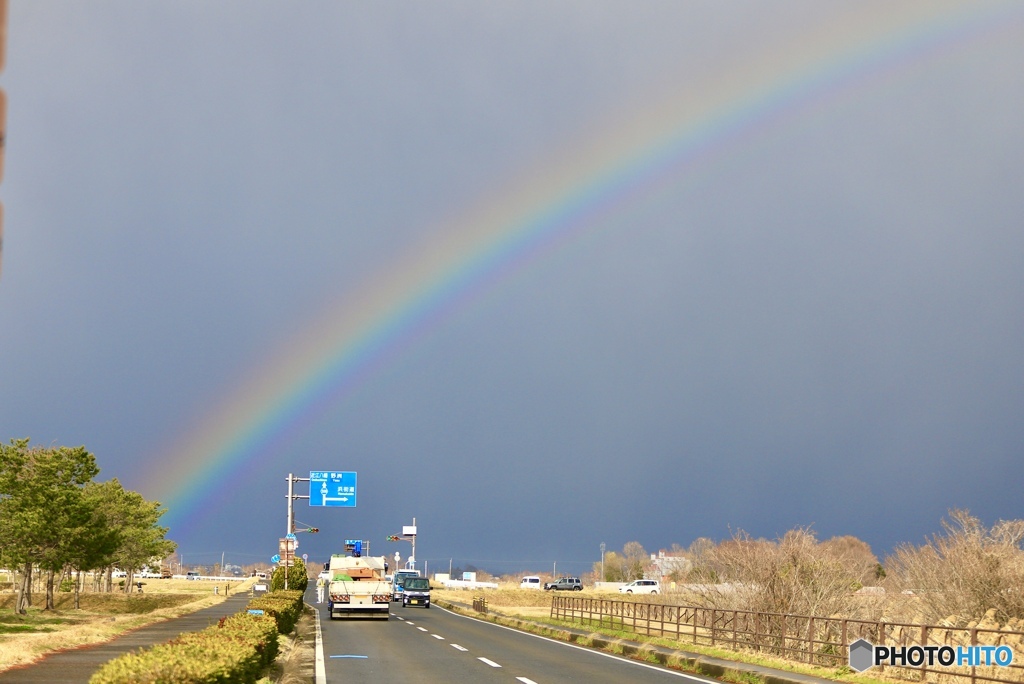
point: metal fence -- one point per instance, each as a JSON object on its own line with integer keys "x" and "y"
{"x": 819, "y": 641}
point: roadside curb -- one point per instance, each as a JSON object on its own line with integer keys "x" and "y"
{"x": 697, "y": 663}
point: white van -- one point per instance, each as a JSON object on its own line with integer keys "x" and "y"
{"x": 641, "y": 586}
{"x": 530, "y": 582}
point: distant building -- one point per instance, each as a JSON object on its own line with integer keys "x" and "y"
{"x": 665, "y": 565}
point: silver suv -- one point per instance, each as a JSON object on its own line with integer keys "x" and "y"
{"x": 564, "y": 584}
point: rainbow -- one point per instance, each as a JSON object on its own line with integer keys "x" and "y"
{"x": 362, "y": 331}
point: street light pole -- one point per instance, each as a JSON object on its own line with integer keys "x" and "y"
{"x": 602, "y": 561}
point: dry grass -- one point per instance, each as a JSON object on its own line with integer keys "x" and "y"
{"x": 26, "y": 638}
{"x": 504, "y": 597}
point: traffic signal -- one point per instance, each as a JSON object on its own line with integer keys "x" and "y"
{"x": 392, "y": 537}
{"x": 313, "y": 530}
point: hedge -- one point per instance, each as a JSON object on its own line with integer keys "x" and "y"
{"x": 237, "y": 649}
{"x": 284, "y": 606}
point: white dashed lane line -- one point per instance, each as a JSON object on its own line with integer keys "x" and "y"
{"x": 488, "y": 661}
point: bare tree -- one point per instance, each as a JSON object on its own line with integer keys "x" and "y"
{"x": 794, "y": 574}
{"x": 635, "y": 561}
{"x": 856, "y": 555}
{"x": 964, "y": 572}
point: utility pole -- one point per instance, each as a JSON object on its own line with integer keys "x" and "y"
{"x": 289, "y": 535}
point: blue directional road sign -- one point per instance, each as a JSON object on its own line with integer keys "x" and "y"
{"x": 332, "y": 488}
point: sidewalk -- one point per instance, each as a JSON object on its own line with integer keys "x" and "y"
{"x": 76, "y": 666}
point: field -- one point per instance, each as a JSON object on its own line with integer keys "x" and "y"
{"x": 24, "y": 638}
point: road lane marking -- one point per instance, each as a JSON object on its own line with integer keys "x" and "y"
{"x": 489, "y": 662}
{"x": 437, "y": 636}
{"x": 601, "y": 654}
{"x": 524, "y": 680}
{"x": 461, "y": 648}
{"x": 422, "y": 629}
{"x": 320, "y": 676}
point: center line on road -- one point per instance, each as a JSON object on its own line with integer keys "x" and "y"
{"x": 524, "y": 680}
{"x": 461, "y": 648}
{"x": 489, "y": 662}
{"x": 437, "y": 636}
{"x": 422, "y": 629}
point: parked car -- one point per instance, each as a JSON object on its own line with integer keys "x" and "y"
{"x": 641, "y": 586}
{"x": 564, "y": 584}
{"x": 530, "y": 582}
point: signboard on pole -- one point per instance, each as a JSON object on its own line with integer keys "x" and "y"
{"x": 332, "y": 488}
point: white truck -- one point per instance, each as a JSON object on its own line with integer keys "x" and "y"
{"x": 357, "y": 587}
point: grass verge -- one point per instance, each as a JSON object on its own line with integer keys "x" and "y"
{"x": 27, "y": 638}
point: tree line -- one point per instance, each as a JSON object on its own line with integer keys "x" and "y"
{"x": 57, "y": 520}
{"x": 966, "y": 571}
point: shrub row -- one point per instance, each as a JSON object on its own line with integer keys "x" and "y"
{"x": 237, "y": 649}
{"x": 283, "y": 606}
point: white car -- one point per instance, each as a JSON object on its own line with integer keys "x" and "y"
{"x": 325, "y": 575}
{"x": 531, "y": 582}
{"x": 641, "y": 586}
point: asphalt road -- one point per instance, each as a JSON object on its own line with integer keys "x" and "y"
{"x": 434, "y": 645}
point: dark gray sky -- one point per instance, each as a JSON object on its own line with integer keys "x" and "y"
{"x": 813, "y": 314}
